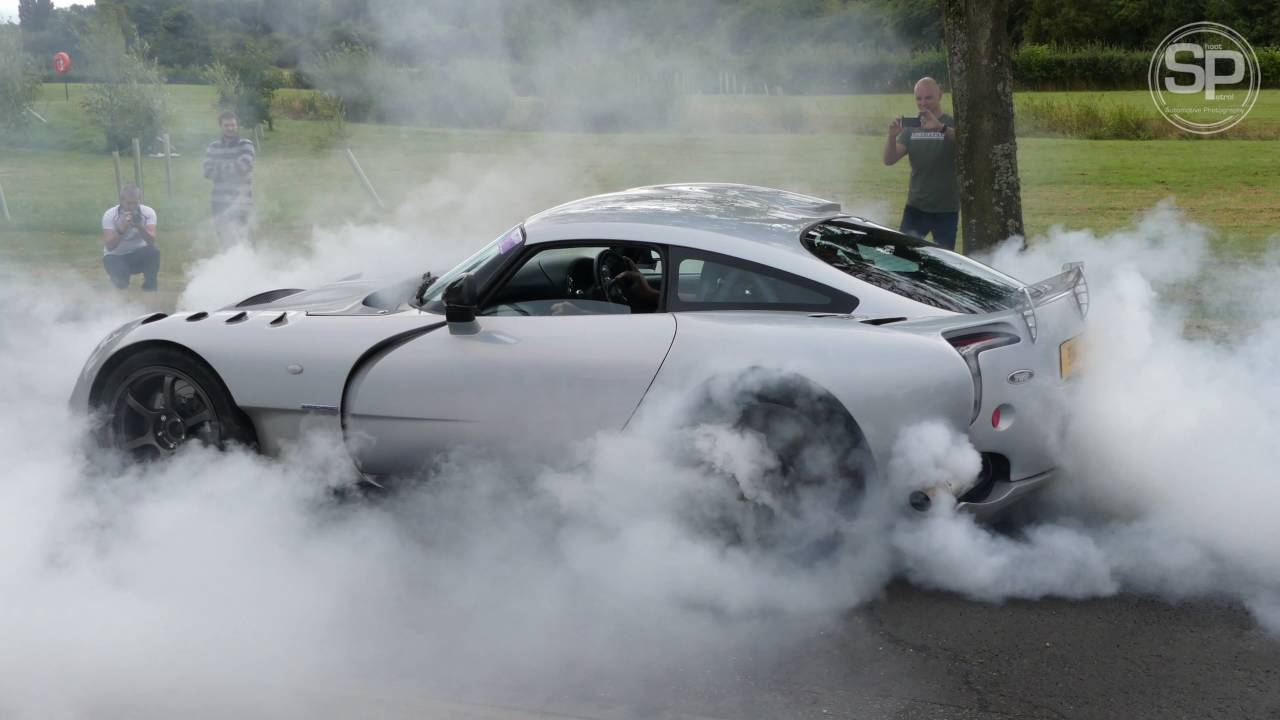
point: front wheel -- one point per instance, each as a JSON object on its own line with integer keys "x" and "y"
{"x": 160, "y": 399}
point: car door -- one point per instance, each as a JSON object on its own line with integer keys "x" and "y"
{"x": 511, "y": 381}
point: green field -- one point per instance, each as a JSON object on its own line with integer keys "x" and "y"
{"x": 57, "y": 195}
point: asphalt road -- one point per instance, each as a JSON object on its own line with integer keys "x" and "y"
{"x": 917, "y": 654}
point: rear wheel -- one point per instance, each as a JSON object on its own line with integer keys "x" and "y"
{"x": 817, "y": 464}
{"x": 160, "y": 399}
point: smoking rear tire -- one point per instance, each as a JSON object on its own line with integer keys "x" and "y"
{"x": 159, "y": 399}
{"x": 799, "y": 504}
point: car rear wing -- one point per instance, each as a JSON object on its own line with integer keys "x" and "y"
{"x": 1023, "y": 311}
{"x": 1070, "y": 280}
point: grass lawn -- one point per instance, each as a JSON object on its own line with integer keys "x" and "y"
{"x": 57, "y": 195}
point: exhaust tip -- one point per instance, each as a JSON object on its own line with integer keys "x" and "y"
{"x": 920, "y": 501}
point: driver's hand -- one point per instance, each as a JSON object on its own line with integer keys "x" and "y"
{"x": 631, "y": 281}
{"x": 635, "y": 286}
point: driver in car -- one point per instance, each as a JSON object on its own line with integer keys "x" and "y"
{"x": 641, "y": 296}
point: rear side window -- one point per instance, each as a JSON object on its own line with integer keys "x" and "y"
{"x": 912, "y": 268}
{"x": 707, "y": 281}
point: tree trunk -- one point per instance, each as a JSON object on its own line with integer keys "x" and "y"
{"x": 978, "y": 62}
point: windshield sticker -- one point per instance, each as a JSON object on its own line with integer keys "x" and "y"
{"x": 512, "y": 239}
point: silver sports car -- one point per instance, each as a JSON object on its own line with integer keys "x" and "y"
{"x": 570, "y": 322}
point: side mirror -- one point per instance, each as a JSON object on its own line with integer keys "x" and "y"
{"x": 460, "y": 299}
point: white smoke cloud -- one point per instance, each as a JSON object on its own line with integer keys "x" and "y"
{"x": 439, "y": 223}
{"x": 1166, "y": 468}
{"x": 225, "y": 583}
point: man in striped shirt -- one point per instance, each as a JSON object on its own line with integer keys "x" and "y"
{"x": 228, "y": 162}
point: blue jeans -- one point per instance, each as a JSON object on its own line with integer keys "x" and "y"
{"x": 918, "y": 223}
{"x": 144, "y": 261}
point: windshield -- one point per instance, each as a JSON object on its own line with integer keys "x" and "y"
{"x": 912, "y": 268}
{"x": 484, "y": 264}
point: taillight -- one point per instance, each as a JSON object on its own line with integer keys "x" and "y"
{"x": 970, "y": 345}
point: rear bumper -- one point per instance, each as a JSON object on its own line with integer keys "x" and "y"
{"x": 1004, "y": 494}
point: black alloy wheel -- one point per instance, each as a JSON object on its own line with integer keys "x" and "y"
{"x": 158, "y": 400}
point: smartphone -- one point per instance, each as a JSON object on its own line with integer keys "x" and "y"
{"x": 913, "y": 121}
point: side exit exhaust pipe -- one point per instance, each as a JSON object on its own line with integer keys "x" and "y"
{"x": 920, "y": 501}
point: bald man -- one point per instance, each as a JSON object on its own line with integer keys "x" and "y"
{"x": 933, "y": 206}
{"x": 129, "y": 241}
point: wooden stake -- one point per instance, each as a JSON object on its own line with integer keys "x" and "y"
{"x": 257, "y": 139}
{"x": 364, "y": 179}
{"x": 137, "y": 163}
{"x": 4, "y": 206}
{"x": 168, "y": 166}
{"x": 115, "y": 158}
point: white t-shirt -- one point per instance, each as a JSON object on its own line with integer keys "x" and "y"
{"x": 133, "y": 238}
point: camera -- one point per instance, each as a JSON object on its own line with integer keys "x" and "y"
{"x": 911, "y": 122}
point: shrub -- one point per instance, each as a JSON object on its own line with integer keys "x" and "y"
{"x": 1089, "y": 119}
{"x": 1090, "y": 67}
{"x": 348, "y": 74}
{"x": 226, "y": 82}
{"x": 247, "y": 83}
{"x": 1269, "y": 66}
{"x": 462, "y": 93}
{"x": 128, "y": 101}
{"x": 19, "y": 83}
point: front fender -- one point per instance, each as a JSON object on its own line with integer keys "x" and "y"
{"x": 80, "y": 394}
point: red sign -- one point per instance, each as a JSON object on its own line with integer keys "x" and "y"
{"x": 62, "y": 63}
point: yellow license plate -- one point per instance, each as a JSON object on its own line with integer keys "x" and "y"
{"x": 1069, "y": 356}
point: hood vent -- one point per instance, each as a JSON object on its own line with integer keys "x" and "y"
{"x": 269, "y": 296}
{"x": 197, "y": 317}
{"x": 238, "y": 317}
{"x": 283, "y": 319}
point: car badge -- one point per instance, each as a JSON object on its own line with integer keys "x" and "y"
{"x": 1019, "y": 377}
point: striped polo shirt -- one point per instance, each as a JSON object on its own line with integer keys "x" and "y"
{"x": 230, "y": 166}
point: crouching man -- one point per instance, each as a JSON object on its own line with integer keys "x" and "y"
{"x": 129, "y": 241}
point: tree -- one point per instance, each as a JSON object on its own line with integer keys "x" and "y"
{"x": 128, "y": 99}
{"x": 33, "y": 15}
{"x": 982, "y": 93}
{"x": 19, "y": 83}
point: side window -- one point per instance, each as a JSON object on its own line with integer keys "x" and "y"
{"x": 586, "y": 279}
{"x": 705, "y": 281}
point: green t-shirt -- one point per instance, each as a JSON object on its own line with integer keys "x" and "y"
{"x": 933, "y": 168}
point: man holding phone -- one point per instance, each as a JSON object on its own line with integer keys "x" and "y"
{"x": 929, "y": 141}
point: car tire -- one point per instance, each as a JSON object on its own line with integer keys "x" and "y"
{"x": 822, "y": 464}
{"x": 159, "y": 399}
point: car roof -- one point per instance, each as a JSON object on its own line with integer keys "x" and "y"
{"x": 758, "y": 224}
{"x": 684, "y": 214}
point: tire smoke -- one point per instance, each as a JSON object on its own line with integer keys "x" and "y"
{"x": 227, "y": 583}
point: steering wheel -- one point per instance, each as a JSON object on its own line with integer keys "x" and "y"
{"x": 609, "y": 263}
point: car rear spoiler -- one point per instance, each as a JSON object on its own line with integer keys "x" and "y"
{"x": 1070, "y": 280}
